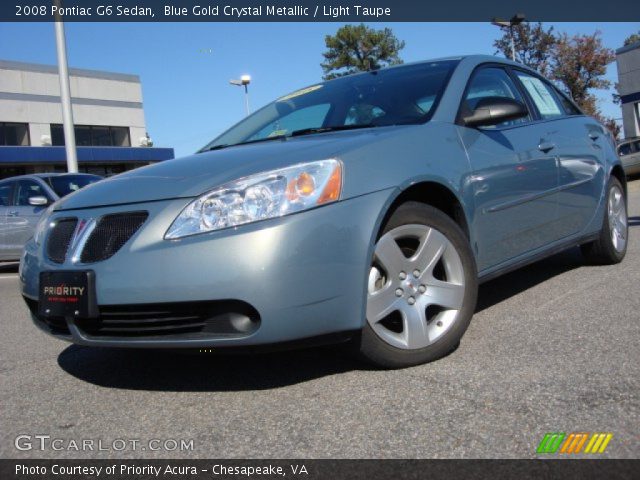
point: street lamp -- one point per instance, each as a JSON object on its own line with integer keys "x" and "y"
{"x": 65, "y": 93}
{"x": 244, "y": 81}
{"x": 517, "y": 19}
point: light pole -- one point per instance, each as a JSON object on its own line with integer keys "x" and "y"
{"x": 65, "y": 94}
{"x": 244, "y": 81}
{"x": 517, "y": 19}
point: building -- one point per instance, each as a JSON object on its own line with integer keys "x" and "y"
{"x": 628, "y": 61}
{"x": 107, "y": 110}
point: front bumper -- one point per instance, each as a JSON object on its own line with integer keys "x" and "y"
{"x": 304, "y": 275}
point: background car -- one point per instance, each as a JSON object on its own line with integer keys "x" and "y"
{"x": 24, "y": 198}
{"x": 629, "y": 152}
{"x": 366, "y": 209}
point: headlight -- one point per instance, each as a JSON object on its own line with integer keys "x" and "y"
{"x": 261, "y": 196}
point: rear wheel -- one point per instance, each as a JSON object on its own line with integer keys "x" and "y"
{"x": 611, "y": 246}
{"x": 421, "y": 290}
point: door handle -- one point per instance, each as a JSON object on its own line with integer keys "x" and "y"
{"x": 546, "y": 146}
{"x": 594, "y": 136}
{"x": 12, "y": 214}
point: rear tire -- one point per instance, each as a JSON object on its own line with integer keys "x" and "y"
{"x": 422, "y": 289}
{"x": 611, "y": 246}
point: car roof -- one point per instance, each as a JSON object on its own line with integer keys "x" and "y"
{"x": 476, "y": 59}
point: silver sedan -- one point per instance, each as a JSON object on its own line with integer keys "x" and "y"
{"x": 629, "y": 152}
{"x": 23, "y": 199}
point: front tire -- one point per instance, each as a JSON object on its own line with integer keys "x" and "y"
{"x": 421, "y": 291}
{"x": 611, "y": 245}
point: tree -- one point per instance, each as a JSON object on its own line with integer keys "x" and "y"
{"x": 580, "y": 63}
{"x": 533, "y": 45}
{"x": 611, "y": 125}
{"x": 357, "y": 48}
{"x": 577, "y": 64}
{"x": 634, "y": 38}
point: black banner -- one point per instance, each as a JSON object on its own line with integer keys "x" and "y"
{"x": 316, "y": 10}
{"x": 318, "y": 469}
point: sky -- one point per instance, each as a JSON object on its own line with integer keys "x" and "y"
{"x": 185, "y": 68}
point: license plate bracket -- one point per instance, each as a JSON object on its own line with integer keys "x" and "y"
{"x": 68, "y": 294}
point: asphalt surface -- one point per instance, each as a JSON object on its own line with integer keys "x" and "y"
{"x": 552, "y": 347}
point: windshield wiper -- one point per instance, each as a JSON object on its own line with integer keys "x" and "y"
{"x": 295, "y": 133}
{"x": 335, "y": 128}
{"x": 226, "y": 145}
{"x": 215, "y": 147}
{"x": 265, "y": 139}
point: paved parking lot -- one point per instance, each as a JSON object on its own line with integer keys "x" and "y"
{"x": 552, "y": 347}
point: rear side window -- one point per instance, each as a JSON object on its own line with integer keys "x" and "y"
{"x": 569, "y": 108}
{"x": 5, "y": 194}
{"x": 542, "y": 95}
{"x": 491, "y": 82}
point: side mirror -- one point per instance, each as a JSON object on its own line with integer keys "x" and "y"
{"x": 493, "y": 111}
{"x": 38, "y": 201}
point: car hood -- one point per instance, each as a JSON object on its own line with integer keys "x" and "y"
{"x": 196, "y": 174}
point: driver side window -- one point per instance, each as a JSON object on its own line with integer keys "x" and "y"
{"x": 492, "y": 82}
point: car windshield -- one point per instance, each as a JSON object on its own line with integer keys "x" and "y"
{"x": 394, "y": 96}
{"x": 66, "y": 184}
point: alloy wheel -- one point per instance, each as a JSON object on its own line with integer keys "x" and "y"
{"x": 617, "y": 215}
{"x": 416, "y": 286}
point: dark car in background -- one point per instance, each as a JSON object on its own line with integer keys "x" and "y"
{"x": 23, "y": 199}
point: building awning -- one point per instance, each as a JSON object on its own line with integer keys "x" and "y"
{"x": 46, "y": 155}
{"x": 630, "y": 98}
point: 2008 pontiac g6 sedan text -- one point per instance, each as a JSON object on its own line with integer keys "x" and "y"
{"x": 367, "y": 208}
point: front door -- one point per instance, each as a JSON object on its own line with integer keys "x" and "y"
{"x": 514, "y": 177}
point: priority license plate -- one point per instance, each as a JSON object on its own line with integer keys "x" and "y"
{"x": 68, "y": 294}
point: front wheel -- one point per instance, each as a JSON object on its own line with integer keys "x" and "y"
{"x": 421, "y": 290}
{"x": 611, "y": 245}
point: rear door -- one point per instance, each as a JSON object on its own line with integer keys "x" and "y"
{"x": 22, "y": 217}
{"x": 578, "y": 142}
{"x": 6, "y": 188}
{"x": 514, "y": 176}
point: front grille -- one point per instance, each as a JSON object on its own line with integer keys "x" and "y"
{"x": 59, "y": 239}
{"x": 180, "y": 320}
{"x": 110, "y": 234}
